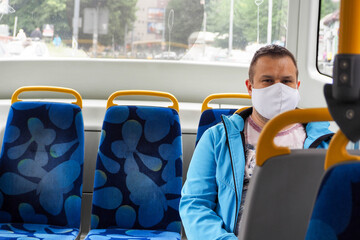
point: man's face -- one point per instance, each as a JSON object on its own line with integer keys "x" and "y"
{"x": 268, "y": 71}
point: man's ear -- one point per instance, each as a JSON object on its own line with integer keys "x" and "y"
{"x": 298, "y": 84}
{"x": 248, "y": 86}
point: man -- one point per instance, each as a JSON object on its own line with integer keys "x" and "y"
{"x": 208, "y": 203}
{"x": 36, "y": 34}
{"x": 57, "y": 40}
{"x": 21, "y": 35}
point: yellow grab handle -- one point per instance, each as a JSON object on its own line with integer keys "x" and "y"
{"x": 110, "y": 101}
{"x": 15, "y": 95}
{"x": 266, "y": 147}
{"x": 337, "y": 151}
{"x": 222, "y": 95}
{"x": 241, "y": 109}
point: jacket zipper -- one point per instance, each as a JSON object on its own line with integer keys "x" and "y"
{"x": 233, "y": 172}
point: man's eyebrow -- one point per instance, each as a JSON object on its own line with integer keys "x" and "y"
{"x": 283, "y": 77}
{"x": 288, "y": 77}
{"x": 267, "y": 76}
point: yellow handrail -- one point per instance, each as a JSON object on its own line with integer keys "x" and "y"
{"x": 337, "y": 151}
{"x": 349, "y": 38}
{"x": 222, "y": 95}
{"x": 349, "y": 32}
{"x": 241, "y": 109}
{"x": 20, "y": 90}
{"x": 266, "y": 147}
{"x": 110, "y": 101}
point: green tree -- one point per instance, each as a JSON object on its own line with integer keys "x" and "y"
{"x": 279, "y": 19}
{"x": 328, "y": 6}
{"x": 36, "y": 13}
{"x": 122, "y": 17}
{"x": 188, "y": 18}
{"x": 245, "y": 21}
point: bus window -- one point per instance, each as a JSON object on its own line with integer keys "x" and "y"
{"x": 190, "y": 30}
{"x": 328, "y": 37}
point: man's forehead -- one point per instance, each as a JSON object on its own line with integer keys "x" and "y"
{"x": 273, "y": 62}
{"x": 269, "y": 58}
{"x": 268, "y": 66}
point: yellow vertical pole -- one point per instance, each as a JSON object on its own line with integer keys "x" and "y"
{"x": 349, "y": 31}
{"x": 343, "y": 96}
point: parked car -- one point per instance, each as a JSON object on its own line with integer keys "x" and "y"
{"x": 166, "y": 55}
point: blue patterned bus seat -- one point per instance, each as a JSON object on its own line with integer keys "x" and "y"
{"x": 41, "y": 170}
{"x": 138, "y": 176}
{"x": 210, "y": 118}
{"x": 336, "y": 214}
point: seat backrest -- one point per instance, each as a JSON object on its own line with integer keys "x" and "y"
{"x": 283, "y": 186}
{"x": 138, "y": 175}
{"x": 212, "y": 116}
{"x": 281, "y": 195}
{"x": 336, "y": 212}
{"x": 41, "y": 161}
{"x": 209, "y": 118}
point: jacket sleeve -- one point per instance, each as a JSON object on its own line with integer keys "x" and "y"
{"x": 199, "y": 195}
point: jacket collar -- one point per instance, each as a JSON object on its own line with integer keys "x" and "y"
{"x": 246, "y": 113}
{"x": 235, "y": 123}
{"x": 316, "y": 132}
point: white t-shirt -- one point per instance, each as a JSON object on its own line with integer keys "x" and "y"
{"x": 293, "y": 137}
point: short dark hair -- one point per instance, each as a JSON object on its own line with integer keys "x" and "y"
{"x": 274, "y": 51}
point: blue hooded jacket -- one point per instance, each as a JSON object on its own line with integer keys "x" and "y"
{"x": 211, "y": 195}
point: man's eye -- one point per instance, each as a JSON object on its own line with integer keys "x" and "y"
{"x": 267, "y": 80}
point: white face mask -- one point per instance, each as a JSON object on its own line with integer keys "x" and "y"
{"x": 275, "y": 99}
